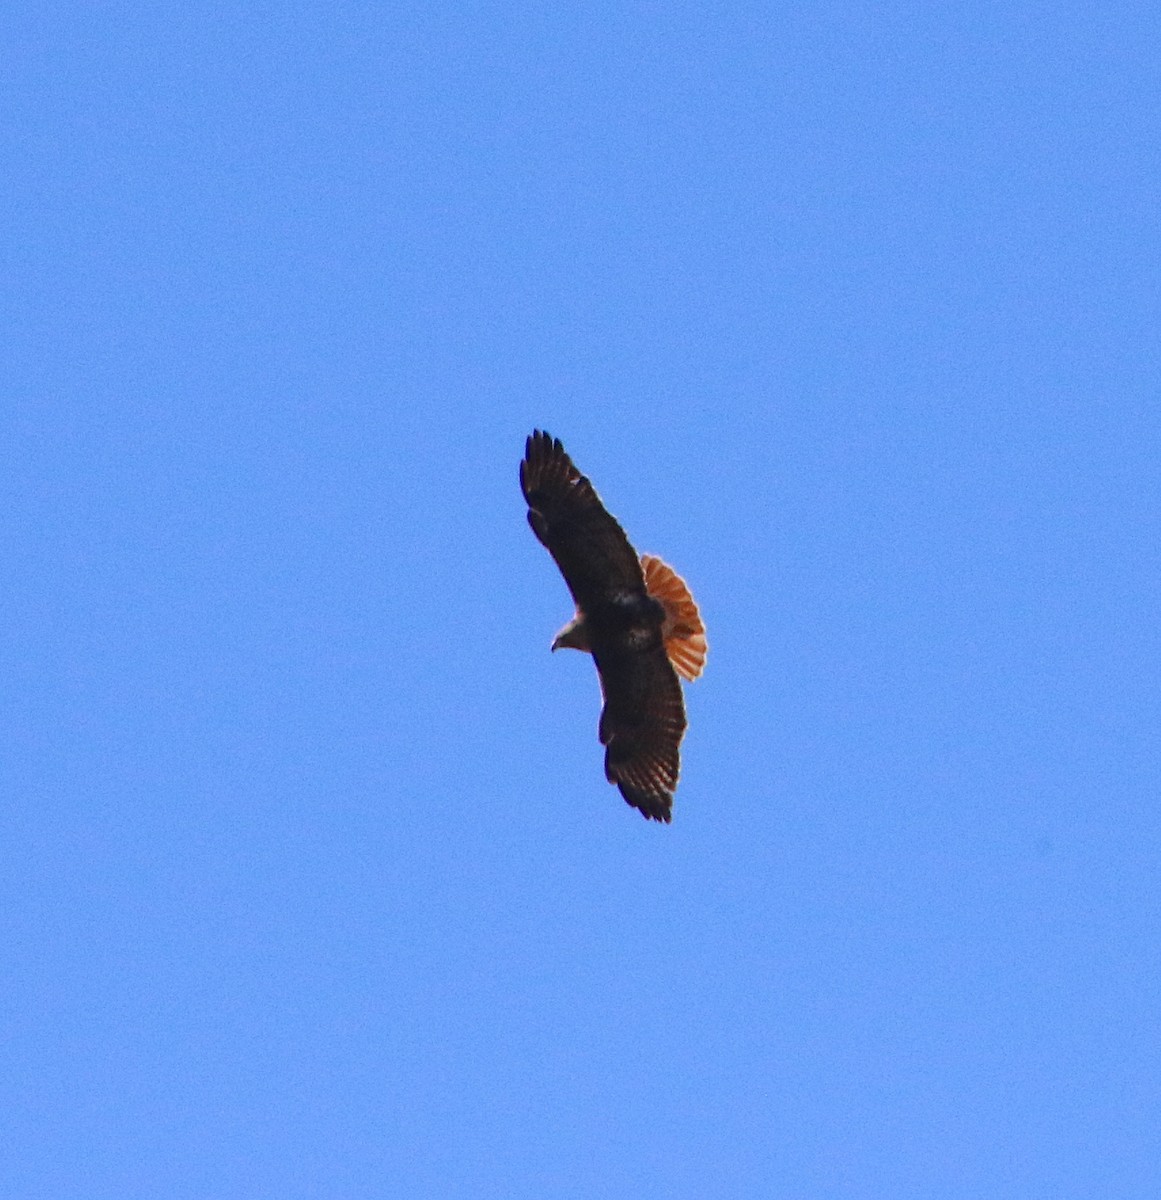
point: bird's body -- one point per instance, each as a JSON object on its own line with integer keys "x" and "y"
{"x": 634, "y": 615}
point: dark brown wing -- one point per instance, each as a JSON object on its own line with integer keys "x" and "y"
{"x": 643, "y": 719}
{"x": 642, "y": 725}
{"x": 567, "y": 515}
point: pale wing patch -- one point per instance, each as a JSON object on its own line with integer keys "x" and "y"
{"x": 683, "y": 631}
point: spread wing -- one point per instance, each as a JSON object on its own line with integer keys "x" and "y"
{"x": 643, "y": 719}
{"x": 642, "y": 725}
{"x": 567, "y": 515}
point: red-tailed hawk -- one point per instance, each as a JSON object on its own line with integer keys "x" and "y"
{"x": 635, "y": 616}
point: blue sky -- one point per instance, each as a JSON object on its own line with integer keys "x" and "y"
{"x": 310, "y": 881}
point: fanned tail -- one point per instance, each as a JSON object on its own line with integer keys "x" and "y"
{"x": 683, "y": 631}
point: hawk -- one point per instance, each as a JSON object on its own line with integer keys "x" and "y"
{"x": 634, "y": 615}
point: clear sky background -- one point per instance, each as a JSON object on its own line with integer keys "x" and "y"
{"x": 310, "y": 881}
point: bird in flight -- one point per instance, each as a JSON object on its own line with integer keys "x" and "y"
{"x": 634, "y": 615}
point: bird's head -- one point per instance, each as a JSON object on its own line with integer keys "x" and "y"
{"x": 574, "y": 636}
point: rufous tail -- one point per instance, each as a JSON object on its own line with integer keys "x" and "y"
{"x": 683, "y": 630}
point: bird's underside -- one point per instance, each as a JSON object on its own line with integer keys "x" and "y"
{"x": 633, "y": 614}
